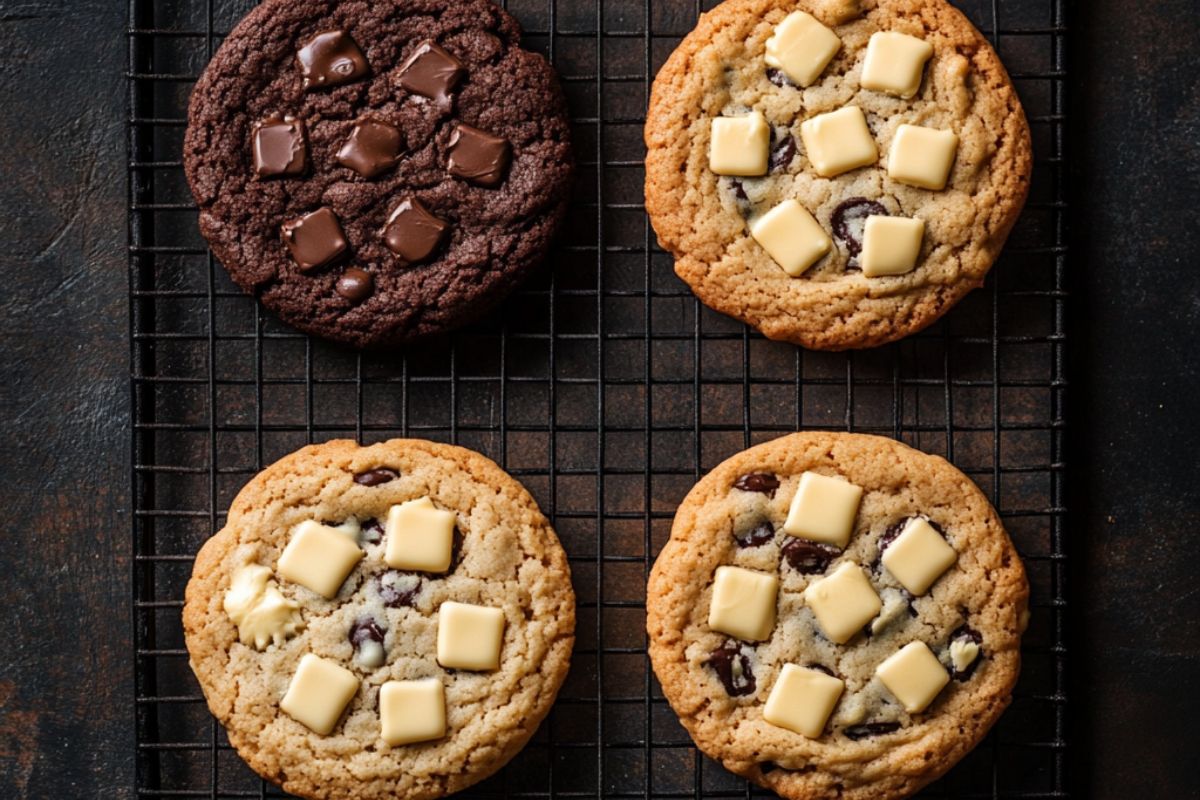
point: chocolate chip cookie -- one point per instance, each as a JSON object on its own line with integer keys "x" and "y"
{"x": 385, "y": 621}
{"x": 837, "y": 615}
{"x": 835, "y": 173}
{"x": 377, "y": 172}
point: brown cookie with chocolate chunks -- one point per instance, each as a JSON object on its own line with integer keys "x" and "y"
{"x": 348, "y": 115}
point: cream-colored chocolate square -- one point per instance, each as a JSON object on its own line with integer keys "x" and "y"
{"x": 740, "y": 145}
{"x": 791, "y": 237}
{"x": 802, "y": 700}
{"x": 469, "y": 636}
{"x": 922, "y": 157}
{"x": 839, "y": 141}
{"x": 891, "y": 245}
{"x": 914, "y": 676}
{"x": 420, "y": 536}
{"x": 823, "y": 509}
{"x": 843, "y": 602}
{"x": 802, "y": 47}
{"x": 743, "y": 603}
{"x": 918, "y": 556}
{"x": 412, "y": 711}
{"x": 963, "y": 653}
{"x": 319, "y": 558}
{"x": 895, "y": 63}
{"x": 319, "y": 693}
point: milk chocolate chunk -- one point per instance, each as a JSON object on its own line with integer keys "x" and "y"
{"x": 412, "y": 232}
{"x": 376, "y": 477}
{"x": 331, "y": 58}
{"x": 432, "y": 72}
{"x": 372, "y": 149}
{"x": 355, "y": 285}
{"x": 477, "y": 156}
{"x": 280, "y": 147}
{"x": 315, "y": 239}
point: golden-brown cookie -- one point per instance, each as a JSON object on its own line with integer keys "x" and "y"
{"x": 387, "y": 621}
{"x": 837, "y": 615}
{"x": 835, "y": 293}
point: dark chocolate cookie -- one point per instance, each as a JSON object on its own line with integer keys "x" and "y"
{"x": 376, "y": 172}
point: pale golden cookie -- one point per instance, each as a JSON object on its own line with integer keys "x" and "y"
{"x": 297, "y": 679}
{"x": 920, "y": 674}
{"x": 816, "y": 292}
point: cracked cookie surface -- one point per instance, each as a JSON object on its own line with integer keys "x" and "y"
{"x": 703, "y": 218}
{"x": 382, "y": 624}
{"x": 497, "y": 233}
{"x": 971, "y": 618}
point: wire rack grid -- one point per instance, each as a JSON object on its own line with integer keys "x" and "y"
{"x": 603, "y": 385}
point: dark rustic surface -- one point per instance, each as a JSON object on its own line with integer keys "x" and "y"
{"x": 65, "y": 693}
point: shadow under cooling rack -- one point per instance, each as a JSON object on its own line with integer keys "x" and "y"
{"x": 604, "y": 386}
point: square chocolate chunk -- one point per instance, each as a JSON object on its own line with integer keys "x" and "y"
{"x": 316, "y": 239}
{"x": 431, "y": 72}
{"x": 478, "y": 156}
{"x": 412, "y": 232}
{"x": 280, "y": 147}
{"x": 331, "y": 58}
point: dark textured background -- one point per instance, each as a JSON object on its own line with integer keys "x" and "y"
{"x": 65, "y": 691}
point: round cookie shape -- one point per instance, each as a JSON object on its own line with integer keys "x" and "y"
{"x": 311, "y": 704}
{"x": 364, "y": 123}
{"x": 916, "y": 681}
{"x": 940, "y": 243}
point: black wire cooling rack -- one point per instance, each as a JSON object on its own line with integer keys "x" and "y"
{"x": 603, "y": 385}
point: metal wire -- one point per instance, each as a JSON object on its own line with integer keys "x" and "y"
{"x": 605, "y": 386}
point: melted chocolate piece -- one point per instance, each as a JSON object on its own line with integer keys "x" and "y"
{"x": 372, "y": 531}
{"x": 761, "y": 482}
{"x": 355, "y": 285}
{"x": 731, "y": 662}
{"x": 365, "y": 629}
{"x": 967, "y": 634}
{"x": 478, "y": 156}
{"x": 372, "y": 149}
{"x": 331, "y": 58}
{"x": 432, "y": 72}
{"x": 412, "y": 232}
{"x": 848, "y": 220}
{"x": 280, "y": 147}
{"x": 376, "y": 477}
{"x": 856, "y": 732}
{"x": 783, "y": 151}
{"x": 759, "y": 535}
{"x": 808, "y": 558}
{"x": 778, "y": 77}
{"x": 315, "y": 240}
{"x": 399, "y": 589}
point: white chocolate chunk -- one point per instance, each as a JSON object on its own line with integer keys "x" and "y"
{"x": 802, "y": 47}
{"x": 743, "y": 603}
{"x": 371, "y": 654}
{"x": 740, "y": 145}
{"x": 469, "y": 637}
{"x": 895, "y": 63}
{"x": 922, "y": 157}
{"x": 319, "y": 693}
{"x": 262, "y": 615}
{"x": 918, "y": 556}
{"x": 319, "y": 558}
{"x": 963, "y": 653}
{"x": 823, "y": 509}
{"x": 412, "y": 711}
{"x": 420, "y": 536}
{"x": 914, "y": 676}
{"x": 839, "y": 141}
{"x": 843, "y": 602}
{"x": 802, "y": 700}
{"x": 891, "y": 245}
{"x": 791, "y": 236}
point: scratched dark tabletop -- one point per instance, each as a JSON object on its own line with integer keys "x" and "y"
{"x": 66, "y": 707}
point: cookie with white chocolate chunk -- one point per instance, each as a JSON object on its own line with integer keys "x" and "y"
{"x": 383, "y": 621}
{"x": 837, "y": 615}
{"x": 835, "y": 173}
